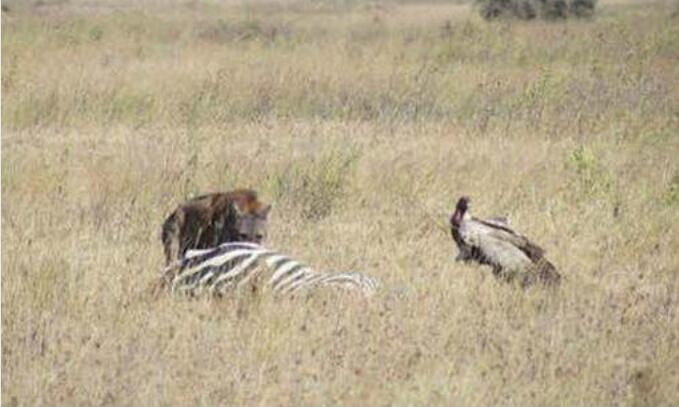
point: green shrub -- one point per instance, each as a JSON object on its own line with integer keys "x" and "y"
{"x": 582, "y": 8}
{"x": 672, "y": 194}
{"x": 593, "y": 177}
{"x": 312, "y": 186}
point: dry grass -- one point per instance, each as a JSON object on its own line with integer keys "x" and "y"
{"x": 362, "y": 122}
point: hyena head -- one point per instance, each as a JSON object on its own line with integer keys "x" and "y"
{"x": 251, "y": 222}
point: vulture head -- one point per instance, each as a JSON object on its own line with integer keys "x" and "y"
{"x": 460, "y": 210}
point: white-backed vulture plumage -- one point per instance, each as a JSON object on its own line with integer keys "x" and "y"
{"x": 494, "y": 243}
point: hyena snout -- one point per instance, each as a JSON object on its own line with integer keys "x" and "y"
{"x": 252, "y": 228}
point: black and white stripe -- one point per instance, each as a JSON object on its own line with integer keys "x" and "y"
{"x": 232, "y": 266}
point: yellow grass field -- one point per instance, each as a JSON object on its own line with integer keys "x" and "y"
{"x": 362, "y": 122}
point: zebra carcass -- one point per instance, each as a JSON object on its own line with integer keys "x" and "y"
{"x": 233, "y": 266}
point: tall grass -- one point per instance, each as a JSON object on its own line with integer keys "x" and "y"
{"x": 362, "y": 123}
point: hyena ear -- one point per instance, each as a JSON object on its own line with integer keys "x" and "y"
{"x": 264, "y": 212}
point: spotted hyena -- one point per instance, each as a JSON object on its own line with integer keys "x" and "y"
{"x": 210, "y": 220}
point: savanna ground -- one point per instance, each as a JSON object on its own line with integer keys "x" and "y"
{"x": 362, "y": 122}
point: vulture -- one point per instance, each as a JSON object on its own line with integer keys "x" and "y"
{"x": 492, "y": 242}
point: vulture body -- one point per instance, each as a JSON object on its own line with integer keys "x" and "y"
{"x": 492, "y": 242}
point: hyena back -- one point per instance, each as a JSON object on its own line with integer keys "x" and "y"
{"x": 209, "y": 220}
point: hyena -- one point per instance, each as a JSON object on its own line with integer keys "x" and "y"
{"x": 209, "y": 220}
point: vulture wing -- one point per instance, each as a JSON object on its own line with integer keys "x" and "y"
{"x": 502, "y": 231}
{"x": 469, "y": 252}
{"x": 497, "y": 245}
{"x": 501, "y": 221}
{"x": 511, "y": 251}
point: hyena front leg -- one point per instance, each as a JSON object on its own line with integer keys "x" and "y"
{"x": 171, "y": 236}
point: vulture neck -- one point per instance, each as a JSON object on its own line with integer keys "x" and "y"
{"x": 459, "y": 216}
